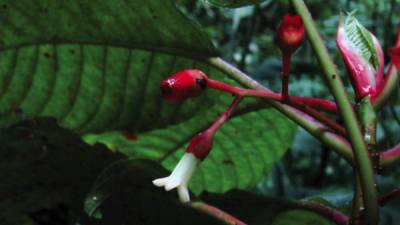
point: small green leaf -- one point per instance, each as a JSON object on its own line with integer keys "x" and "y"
{"x": 361, "y": 39}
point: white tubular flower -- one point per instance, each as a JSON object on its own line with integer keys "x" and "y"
{"x": 180, "y": 176}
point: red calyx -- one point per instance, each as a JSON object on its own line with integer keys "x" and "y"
{"x": 290, "y": 33}
{"x": 201, "y": 144}
{"x": 184, "y": 84}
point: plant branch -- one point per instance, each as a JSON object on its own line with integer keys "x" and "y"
{"x": 216, "y": 213}
{"x": 390, "y": 156}
{"x": 389, "y": 196}
{"x": 361, "y": 156}
{"x": 299, "y": 103}
{"x": 326, "y": 211}
{"x": 318, "y": 130}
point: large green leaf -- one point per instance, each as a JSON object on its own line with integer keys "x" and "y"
{"x": 96, "y": 65}
{"x": 245, "y": 148}
{"x": 45, "y": 173}
{"x": 124, "y": 194}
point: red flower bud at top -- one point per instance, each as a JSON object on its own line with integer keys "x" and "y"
{"x": 290, "y": 34}
{"x": 362, "y": 54}
{"x": 184, "y": 84}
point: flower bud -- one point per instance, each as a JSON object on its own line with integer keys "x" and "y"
{"x": 184, "y": 84}
{"x": 362, "y": 54}
{"x": 290, "y": 33}
{"x": 201, "y": 144}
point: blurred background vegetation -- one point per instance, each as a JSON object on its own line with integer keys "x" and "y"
{"x": 246, "y": 37}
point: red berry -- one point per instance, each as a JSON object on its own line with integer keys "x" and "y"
{"x": 290, "y": 34}
{"x": 184, "y": 84}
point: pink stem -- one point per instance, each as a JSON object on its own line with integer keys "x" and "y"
{"x": 302, "y": 103}
{"x": 217, "y": 213}
{"x": 328, "y": 212}
{"x": 317, "y": 103}
{"x": 389, "y": 196}
{"x": 225, "y": 115}
{"x": 391, "y": 155}
{"x": 286, "y": 58}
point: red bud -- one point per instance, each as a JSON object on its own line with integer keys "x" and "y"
{"x": 290, "y": 34}
{"x": 201, "y": 144}
{"x": 362, "y": 54}
{"x": 184, "y": 84}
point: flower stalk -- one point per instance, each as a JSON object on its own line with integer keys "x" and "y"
{"x": 361, "y": 156}
{"x": 290, "y": 37}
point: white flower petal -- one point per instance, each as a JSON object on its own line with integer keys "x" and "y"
{"x": 183, "y": 194}
{"x": 160, "y": 181}
{"x": 180, "y": 176}
{"x": 172, "y": 183}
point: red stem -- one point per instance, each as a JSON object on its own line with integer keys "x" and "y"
{"x": 326, "y": 211}
{"x": 304, "y": 104}
{"x": 320, "y": 104}
{"x": 389, "y": 196}
{"x": 217, "y": 213}
{"x": 286, "y": 58}
{"x": 391, "y": 155}
{"x": 225, "y": 115}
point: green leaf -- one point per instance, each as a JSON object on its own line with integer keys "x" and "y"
{"x": 96, "y": 65}
{"x": 46, "y": 172}
{"x": 233, "y": 3}
{"x": 244, "y": 151}
{"x": 361, "y": 39}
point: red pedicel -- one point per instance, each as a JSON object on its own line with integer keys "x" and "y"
{"x": 184, "y": 84}
{"x": 290, "y": 34}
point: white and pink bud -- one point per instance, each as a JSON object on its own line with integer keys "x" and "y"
{"x": 362, "y": 54}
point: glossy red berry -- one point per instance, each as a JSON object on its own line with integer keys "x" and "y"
{"x": 290, "y": 33}
{"x": 184, "y": 84}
